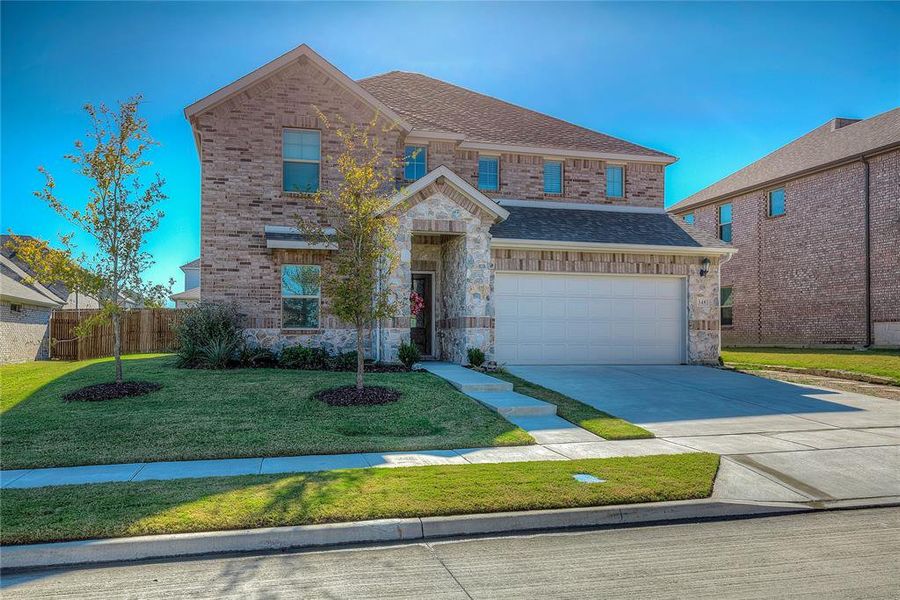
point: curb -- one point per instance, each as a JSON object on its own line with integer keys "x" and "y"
{"x": 385, "y": 530}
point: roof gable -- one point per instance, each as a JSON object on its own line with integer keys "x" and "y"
{"x": 835, "y": 141}
{"x": 444, "y": 174}
{"x": 279, "y": 63}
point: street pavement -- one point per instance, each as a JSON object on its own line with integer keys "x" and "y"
{"x": 837, "y": 554}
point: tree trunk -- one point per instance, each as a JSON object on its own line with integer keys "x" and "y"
{"x": 360, "y": 364}
{"x": 117, "y": 345}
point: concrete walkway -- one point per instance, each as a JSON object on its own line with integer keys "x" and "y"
{"x": 29, "y": 478}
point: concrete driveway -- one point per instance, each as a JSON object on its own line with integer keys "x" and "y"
{"x": 782, "y": 441}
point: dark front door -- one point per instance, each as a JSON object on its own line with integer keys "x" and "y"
{"x": 420, "y": 324}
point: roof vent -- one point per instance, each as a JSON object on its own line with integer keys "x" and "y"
{"x": 841, "y": 122}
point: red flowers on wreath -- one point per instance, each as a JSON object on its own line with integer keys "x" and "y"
{"x": 416, "y": 303}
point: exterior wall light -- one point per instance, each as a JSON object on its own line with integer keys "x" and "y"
{"x": 704, "y": 267}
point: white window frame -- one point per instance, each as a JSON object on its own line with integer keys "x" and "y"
{"x": 606, "y": 179}
{"x": 721, "y": 223}
{"x": 722, "y": 306}
{"x": 306, "y": 296}
{"x": 424, "y": 151}
{"x": 494, "y": 157}
{"x": 300, "y": 160}
{"x": 769, "y": 202}
{"x": 562, "y": 176}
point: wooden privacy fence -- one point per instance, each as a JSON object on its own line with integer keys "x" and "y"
{"x": 143, "y": 330}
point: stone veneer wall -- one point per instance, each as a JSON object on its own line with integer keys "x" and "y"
{"x": 702, "y": 292}
{"x": 23, "y": 334}
{"x": 466, "y": 278}
{"x": 799, "y": 278}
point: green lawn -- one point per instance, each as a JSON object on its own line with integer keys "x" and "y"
{"x": 586, "y": 417}
{"x": 129, "y": 509}
{"x": 224, "y": 414}
{"x": 883, "y": 363}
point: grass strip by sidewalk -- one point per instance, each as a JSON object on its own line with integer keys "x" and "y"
{"x": 881, "y": 363}
{"x": 221, "y": 503}
{"x": 583, "y": 415}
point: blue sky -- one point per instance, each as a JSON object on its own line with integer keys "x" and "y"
{"x": 717, "y": 85}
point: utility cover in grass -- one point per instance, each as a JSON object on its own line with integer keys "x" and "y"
{"x": 348, "y": 395}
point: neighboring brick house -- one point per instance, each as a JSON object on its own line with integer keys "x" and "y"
{"x": 25, "y": 307}
{"x": 817, "y": 226}
{"x": 536, "y": 240}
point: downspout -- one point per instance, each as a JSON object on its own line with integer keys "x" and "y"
{"x": 868, "y": 247}
{"x": 377, "y": 340}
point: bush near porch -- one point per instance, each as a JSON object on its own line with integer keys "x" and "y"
{"x": 881, "y": 363}
{"x": 226, "y": 414}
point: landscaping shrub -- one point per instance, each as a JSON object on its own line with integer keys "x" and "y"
{"x": 304, "y": 357}
{"x": 409, "y": 354}
{"x": 344, "y": 362}
{"x": 208, "y": 337}
{"x": 253, "y": 358}
{"x": 476, "y": 357}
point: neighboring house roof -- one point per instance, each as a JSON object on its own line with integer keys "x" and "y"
{"x": 836, "y": 141}
{"x": 57, "y": 289}
{"x": 194, "y": 264}
{"x": 434, "y": 105}
{"x": 191, "y": 294}
{"x": 598, "y": 226}
{"x": 16, "y": 287}
{"x": 301, "y": 52}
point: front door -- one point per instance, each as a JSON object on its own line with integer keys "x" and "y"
{"x": 420, "y": 324}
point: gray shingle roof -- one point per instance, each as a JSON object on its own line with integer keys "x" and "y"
{"x": 598, "y": 226}
{"x": 836, "y": 140}
{"x": 57, "y": 288}
{"x": 436, "y": 105}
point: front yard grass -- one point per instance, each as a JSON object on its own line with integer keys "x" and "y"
{"x": 882, "y": 363}
{"x": 583, "y": 415}
{"x": 226, "y": 414}
{"x": 129, "y": 509}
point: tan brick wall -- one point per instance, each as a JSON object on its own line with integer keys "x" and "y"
{"x": 800, "y": 278}
{"x": 584, "y": 181}
{"x": 241, "y": 181}
{"x": 23, "y": 333}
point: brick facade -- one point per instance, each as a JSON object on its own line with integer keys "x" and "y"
{"x": 584, "y": 181}
{"x": 24, "y": 333}
{"x": 800, "y": 278}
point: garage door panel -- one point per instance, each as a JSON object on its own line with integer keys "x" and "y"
{"x": 589, "y": 319}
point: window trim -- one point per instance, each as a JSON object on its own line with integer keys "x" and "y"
{"x": 300, "y": 160}
{"x": 730, "y": 305}
{"x": 769, "y": 202}
{"x": 606, "y": 179}
{"x": 720, "y": 224}
{"x": 283, "y": 297}
{"x": 424, "y": 149}
{"x": 562, "y": 177}
{"x": 495, "y": 157}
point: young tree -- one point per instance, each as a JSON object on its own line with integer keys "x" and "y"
{"x": 355, "y": 278}
{"x": 119, "y": 211}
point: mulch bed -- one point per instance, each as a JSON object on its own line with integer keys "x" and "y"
{"x": 111, "y": 391}
{"x": 348, "y": 395}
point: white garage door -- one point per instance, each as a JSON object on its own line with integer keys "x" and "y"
{"x": 588, "y": 319}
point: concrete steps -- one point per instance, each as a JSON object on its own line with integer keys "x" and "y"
{"x": 511, "y": 404}
{"x": 465, "y": 380}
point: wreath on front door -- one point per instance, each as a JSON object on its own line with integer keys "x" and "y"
{"x": 416, "y": 304}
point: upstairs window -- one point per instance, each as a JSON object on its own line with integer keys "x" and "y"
{"x": 615, "y": 181}
{"x": 689, "y": 218}
{"x": 725, "y": 222}
{"x": 488, "y": 173}
{"x": 726, "y": 306}
{"x": 776, "y": 202}
{"x": 301, "y": 155}
{"x": 415, "y": 162}
{"x": 300, "y": 296}
{"x": 553, "y": 170}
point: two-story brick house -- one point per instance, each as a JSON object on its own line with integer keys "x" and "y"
{"x": 531, "y": 238}
{"x": 817, "y": 226}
